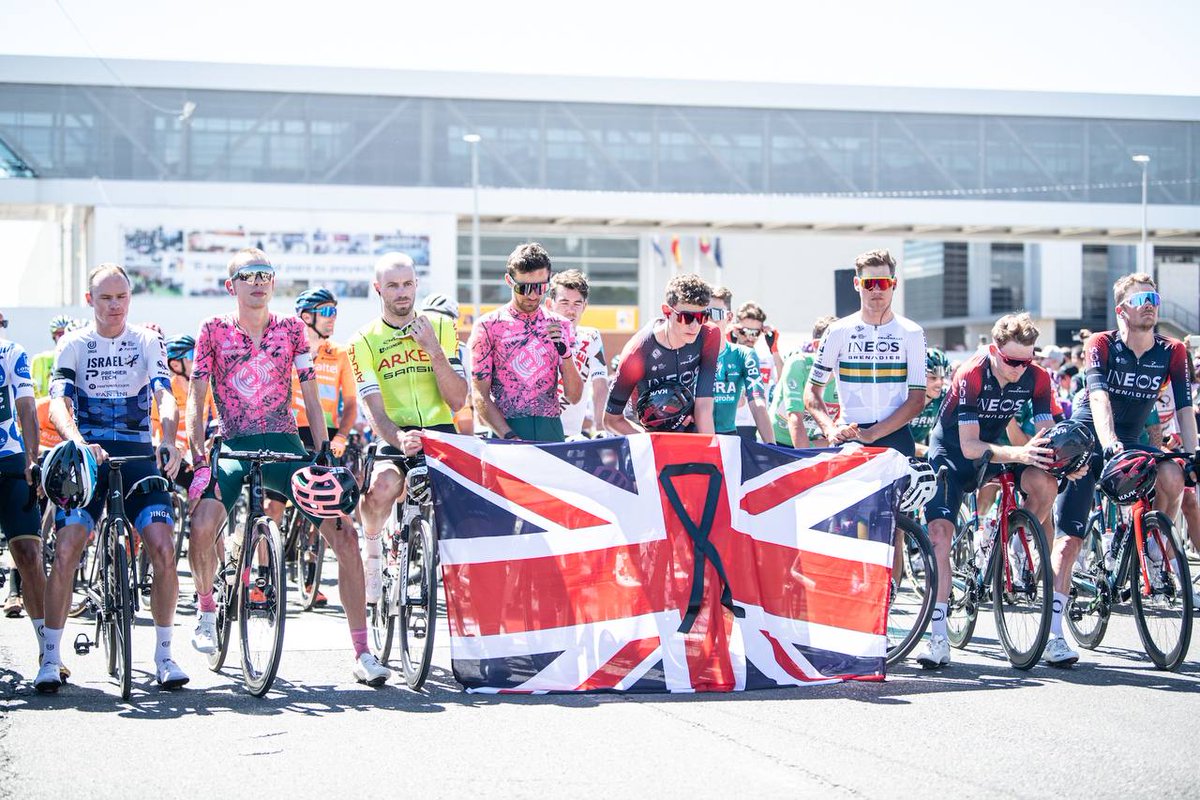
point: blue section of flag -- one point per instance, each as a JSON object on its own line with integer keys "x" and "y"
{"x": 471, "y": 516}
{"x": 607, "y": 459}
{"x": 872, "y": 518}
{"x": 658, "y": 251}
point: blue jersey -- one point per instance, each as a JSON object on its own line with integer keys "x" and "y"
{"x": 15, "y": 382}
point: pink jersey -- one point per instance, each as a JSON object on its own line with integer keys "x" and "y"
{"x": 252, "y": 385}
{"x": 515, "y": 351}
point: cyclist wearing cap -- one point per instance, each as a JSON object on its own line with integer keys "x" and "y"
{"x": 248, "y": 358}
{"x": 439, "y": 304}
{"x": 410, "y": 379}
{"x": 569, "y": 297}
{"x": 737, "y": 375}
{"x": 42, "y": 366}
{"x": 1125, "y": 370}
{"x": 794, "y": 426}
{"x": 936, "y": 365}
{"x": 106, "y": 375}
{"x": 680, "y": 348}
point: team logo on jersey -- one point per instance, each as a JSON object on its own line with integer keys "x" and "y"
{"x": 91, "y": 345}
{"x": 655, "y": 353}
{"x": 251, "y": 377}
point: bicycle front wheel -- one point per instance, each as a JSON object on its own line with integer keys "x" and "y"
{"x": 418, "y": 612}
{"x": 1088, "y": 609}
{"x": 120, "y": 609}
{"x": 1163, "y": 609}
{"x": 262, "y": 605}
{"x": 381, "y": 615}
{"x": 962, "y": 608}
{"x": 914, "y": 590}
{"x": 1022, "y": 590}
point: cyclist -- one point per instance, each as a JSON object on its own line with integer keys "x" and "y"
{"x": 248, "y": 358}
{"x": 438, "y": 303}
{"x": 42, "y": 366}
{"x": 936, "y": 366}
{"x": 519, "y": 354}
{"x": 737, "y": 375}
{"x": 986, "y": 393}
{"x": 680, "y": 348}
{"x": 878, "y": 357}
{"x": 569, "y": 298}
{"x": 105, "y": 376}
{"x": 181, "y": 351}
{"x": 749, "y": 325}
{"x": 410, "y": 378}
{"x": 1126, "y": 369}
{"x": 794, "y": 426}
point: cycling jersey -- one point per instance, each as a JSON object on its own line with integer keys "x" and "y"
{"x": 111, "y": 382}
{"x": 15, "y": 383}
{"x": 252, "y": 383}
{"x": 789, "y": 397}
{"x": 335, "y": 380}
{"x": 388, "y": 361}
{"x": 514, "y": 350}
{"x": 975, "y": 397}
{"x": 922, "y": 424}
{"x": 876, "y": 365}
{"x": 179, "y": 390}
{"x": 41, "y": 369}
{"x": 645, "y": 364}
{"x": 737, "y": 373}
{"x": 589, "y": 359}
{"x": 1133, "y": 383}
{"x": 766, "y": 379}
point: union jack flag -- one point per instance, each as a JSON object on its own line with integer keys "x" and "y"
{"x": 663, "y": 562}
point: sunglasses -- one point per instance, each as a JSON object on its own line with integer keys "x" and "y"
{"x": 1012, "y": 362}
{"x": 688, "y": 317}
{"x": 527, "y": 289}
{"x": 254, "y": 275}
{"x": 325, "y": 311}
{"x": 876, "y": 284}
{"x": 3, "y": 323}
{"x": 751, "y": 332}
{"x": 1143, "y": 299}
{"x": 716, "y": 314}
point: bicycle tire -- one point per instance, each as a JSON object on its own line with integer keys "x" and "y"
{"x": 122, "y": 610}
{"x": 1174, "y": 602}
{"x": 226, "y": 601}
{"x": 1034, "y": 587}
{"x": 105, "y": 618}
{"x": 381, "y": 616}
{"x": 418, "y": 613}
{"x": 962, "y": 607}
{"x": 179, "y": 513}
{"x": 308, "y": 586}
{"x": 1089, "y": 631}
{"x": 919, "y": 581}
{"x": 258, "y": 673}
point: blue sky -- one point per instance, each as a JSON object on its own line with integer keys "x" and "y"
{"x": 1146, "y": 47}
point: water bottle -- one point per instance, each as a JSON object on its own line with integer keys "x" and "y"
{"x": 1110, "y": 554}
{"x": 984, "y": 539}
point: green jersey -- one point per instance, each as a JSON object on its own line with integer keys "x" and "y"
{"x": 789, "y": 396}
{"x": 922, "y": 424}
{"x": 737, "y": 372}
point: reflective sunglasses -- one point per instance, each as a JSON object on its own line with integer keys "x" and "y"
{"x": 527, "y": 289}
{"x": 3, "y": 323}
{"x": 751, "y": 332}
{"x": 190, "y": 355}
{"x": 688, "y": 317}
{"x": 876, "y": 284}
{"x": 325, "y": 311}
{"x": 1016, "y": 363}
{"x": 1144, "y": 298}
{"x": 259, "y": 275}
{"x": 716, "y": 314}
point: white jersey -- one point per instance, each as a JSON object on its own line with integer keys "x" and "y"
{"x": 15, "y": 383}
{"x": 589, "y": 359}
{"x": 876, "y": 365}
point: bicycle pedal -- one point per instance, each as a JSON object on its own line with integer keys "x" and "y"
{"x": 83, "y": 644}
{"x": 1074, "y": 614}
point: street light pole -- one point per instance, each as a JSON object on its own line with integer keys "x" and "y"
{"x": 473, "y": 139}
{"x": 1144, "y": 160}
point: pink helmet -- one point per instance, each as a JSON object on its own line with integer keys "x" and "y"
{"x": 324, "y": 492}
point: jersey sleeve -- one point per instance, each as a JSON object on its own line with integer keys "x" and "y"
{"x": 597, "y": 367}
{"x": 202, "y": 364}
{"x": 19, "y": 369}
{"x": 156, "y": 357}
{"x": 1179, "y": 372}
{"x": 710, "y": 352}
{"x": 1095, "y": 358}
{"x": 303, "y": 358}
{"x": 827, "y": 354}
{"x": 66, "y": 365}
{"x": 795, "y": 376}
{"x": 1043, "y": 396}
{"x": 448, "y": 339}
{"x": 346, "y": 384}
{"x": 631, "y": 370}
{"x": 753, "y": 376}
{"x": 970, "y": 383}
{"x": 915, "y": 351}
{"x": 362, "y": 364}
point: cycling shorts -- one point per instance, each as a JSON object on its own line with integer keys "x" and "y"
{"x": 15, "y": 521}
{"x": 143, "y": 508}
{"x": 231, "y": 475}
{"x": 960, "y": 477}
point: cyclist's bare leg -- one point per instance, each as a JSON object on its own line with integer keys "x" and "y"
{"x": 1191, "y": 515}
{"x": 941, "y": 534}
{"x": 1062, "y": 561}
{"x": 1168, "y": 492}
{"x": 343, "y": 540}
{"x": 27, "y": 556}
{"x": 207, "y": 520}
{"x": 1040, "y": 489}
{"x": 68, "y": 548}
{"x": 159, "y": 540}
{"x": 987, "y": 497}
{"x": 387, "y": 485}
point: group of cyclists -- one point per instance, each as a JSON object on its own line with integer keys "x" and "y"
{"x": 530, "y": 372}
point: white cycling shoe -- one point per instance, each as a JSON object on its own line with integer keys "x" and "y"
{"x": 935, "y": 653}
{"x": 204, "y": 639}
{"x": 1058, "y": 653}
{"x": 169, "y": 674}
{"x": 48, "y": 679}
{"x": 368, "y": 670}
{"x": 373, "y": 575}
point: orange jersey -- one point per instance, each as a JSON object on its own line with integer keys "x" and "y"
{"x": 179, "y": 388}
{"x": 47, "y": 435}
{"x": 335, "y": 381}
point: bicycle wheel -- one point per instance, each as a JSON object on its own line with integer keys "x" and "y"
{"x": 381, "y": 616}
{"x": 962, "y": 608}
{"x": 1022, "y": 591}
{"x": 914, "y": 592}
{"x": 308, "y": 556}
{"x": 226, "y": 601}
{"x": 1164, "y": 614}
{"x": 1089, "y": 606}
{"x": 179, "y": 513}
{"x": 120, "y": 602}
{"x": 418, "y": 611}
{"x": 262, "y": 606}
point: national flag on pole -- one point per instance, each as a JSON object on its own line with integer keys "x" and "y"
{"x": 663, "y": 562}
{"x": 705, "y": 245}
{"x": 660, "y": 256}
{"x": 717, "y": 253}
{"x": 676, "y": 252}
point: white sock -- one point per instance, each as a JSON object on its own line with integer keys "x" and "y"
{"x": 50, "y": 652}
{"x": 162, "y": 651}
{"x": 373, "y": 547}
{"x": 1060, "y": 604}
{"x": 937, "y": 625}
{"x": 206, "y": 616}
{"x": 38, "y": 625}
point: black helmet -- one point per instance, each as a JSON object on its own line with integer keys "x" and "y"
{"x": 666, "y": 407}
{"x": 1128, "y": 476}
{"x": 312, "y": 298}
{"x": 1072, "y": 443}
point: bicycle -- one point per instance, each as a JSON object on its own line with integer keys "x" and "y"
{"x": 251, "y": 588}
{"x": 1015, "y": 576}
{"x": 1145, "y": 563}
{"x": 112, "y": 589}
{"x": 305, "y": 548}
{"x": 409, "y": 598}
{"x": 913, "y": 590}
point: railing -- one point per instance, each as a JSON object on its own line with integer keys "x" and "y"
{"x": 1181, "y": 317}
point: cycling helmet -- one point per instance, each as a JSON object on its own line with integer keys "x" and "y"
{"x": 440, "y": 304}
{"x": 666, "y": 407}
{"x": 180, "y": 346}
{"x": 1128, "y": 476}
{"x": 325, "y": 492}
{"x": 922, "y": 485}
{"x": 309, "y": 300}
{"x": 60, "y": 322}
{"x": 935, "y": 360}
{"x": 1072, "y": 443}
{"x": 69, "y": 475}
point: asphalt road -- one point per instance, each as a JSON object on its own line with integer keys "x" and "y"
{"x": 1110, "y": 727}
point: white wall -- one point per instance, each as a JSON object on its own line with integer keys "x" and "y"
{"x": 30, "y": 255}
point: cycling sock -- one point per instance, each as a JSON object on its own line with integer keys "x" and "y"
{"x": 937, "y": 625}
{"x": 207, "y": 604}
{"x": 373, "y": 546}
{"x": 359, "y": 637}
{"x": 52, "y": 641}
{"x": 38, "y": 626}
{"x": 1060, "y": 602}
{"x": 162, "y": 635}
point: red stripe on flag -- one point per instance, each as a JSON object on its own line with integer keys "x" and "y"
{"x": 620, "y": 665}
{"x": 786, "y": 487}
{"x": 511, "y": 487}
